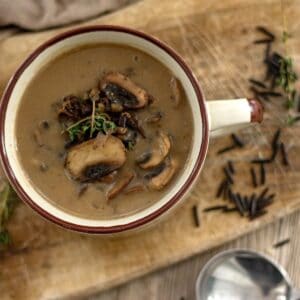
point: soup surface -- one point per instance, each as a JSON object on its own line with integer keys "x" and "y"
{"x": 137, "y": 162}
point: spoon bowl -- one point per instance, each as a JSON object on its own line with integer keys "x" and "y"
{"x": 244, "y": 275}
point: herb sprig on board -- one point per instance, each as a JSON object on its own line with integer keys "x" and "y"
{"x": 287, "y": 77}
{"x": 8, "y": 200}
{"x": 280, "y": 73}
{"x": 99, "y": 123}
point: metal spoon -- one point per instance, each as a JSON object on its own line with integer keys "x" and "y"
{"x": 244, "y": 275}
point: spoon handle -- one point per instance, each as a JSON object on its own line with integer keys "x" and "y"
{"x": 295, "y": 294}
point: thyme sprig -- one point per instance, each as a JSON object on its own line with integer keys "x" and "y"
{"x": 98, "y": 122}
{"x": 93, "y": 118}
{"x": 8, "y": 200}
{"x": 285, "y": 36}
{"x": 280, "y": 72}
{"x": 286, "y": 80}
{"x": 292, "y": 120}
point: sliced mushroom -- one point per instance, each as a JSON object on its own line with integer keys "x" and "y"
{"x": 144, "y": 157}
{"x": 120, "y": 185}
{"x": 117, "y": 86}
{"x": 116, "y": 107}
{"x": 159, "y": 181}
{"x": 70, "y": 108}
{"x": 129, "y": 119}
{"x": 95, "y": 158}
{"x": 73, "y": 108}
{"x": 109, "y": 178}
{"x": 129, "y": 139}
{"x": 160, "y": 150}
{"x": 155, "y": 171}
{"x": 154, "y": 118}
{"x": 176, "y": 90}
{"x": 82, "y": 188}
{"x": 135, "y": 188}
{"x": 101, "y": 107}
{"x": 121, "y": 130}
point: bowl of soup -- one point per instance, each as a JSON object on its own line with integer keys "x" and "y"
{"x": 104, "y": 129}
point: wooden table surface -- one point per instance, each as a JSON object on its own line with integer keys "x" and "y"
{"x": 211, "y": 35}
{"x": 178, "y": 282}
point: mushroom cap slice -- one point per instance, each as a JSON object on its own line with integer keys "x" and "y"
{"x": 159, "y": 151}
{"x": 95, "y": 158}
{"x": 136, "y": 96}
{"x": 159, "y": 181}
{"x": 120, "y": 185}
{"x": 176, "y": 90}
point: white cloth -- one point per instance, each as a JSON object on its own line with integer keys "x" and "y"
{"x": 41, "y": 14}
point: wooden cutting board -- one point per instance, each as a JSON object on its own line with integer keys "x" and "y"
{"x": 215, "y": 38}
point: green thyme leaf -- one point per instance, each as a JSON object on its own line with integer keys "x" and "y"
{"x": 286, "y": 80}
{"x": 109, "y": 127}
{"x": 4, "y": 237}
{"x": 8, "y": 200}
{"x": 285, "y": 36}
{"x": 287, "y": 76}
{"x": 102, "y": 123}
{"x": 130, "y": 145}
{"x": 292, "y": 120}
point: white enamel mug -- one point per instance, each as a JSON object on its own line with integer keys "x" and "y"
{"x": 209, "y": 118}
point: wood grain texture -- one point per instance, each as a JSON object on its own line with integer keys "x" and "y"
{"x": 178, "y": 282}
{"x": 215, "y": 38}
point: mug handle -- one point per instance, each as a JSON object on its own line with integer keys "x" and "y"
{"x": 226, "y": 116}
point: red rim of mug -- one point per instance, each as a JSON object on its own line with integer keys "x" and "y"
{"x": 117, "y": 228}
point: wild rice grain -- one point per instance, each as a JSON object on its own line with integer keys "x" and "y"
{"x": 267, "y": 52}
{"x": 253, "y": 176}
{"x": 238, "y": 204}
{"x": 262, "y": 194}
{"x": 246, "y": 201}
{"x": 226, "y": 149}
{"x": 281, "y": 243}
{"x": 262, "y": 41}
{"x": 228, "y": 175}
{"x": 196, "y": 216}
{"x": 215, "y": 207}
{"x": 243, "y": 202}
{"x": 285, "y": 160}
{"x": 226, "y": 190}
{"x": 257, "y": 214}
{"x": 265, "y": 202}
{"x": 257, "y": 83}
{"x": 276, "y": 137}
{"x": 261, "y": 161}
{"x": 237, "y": 140}
{"x": 231, "y": 167}
{"x": 230, "y": 209}
{"x": 271, "y": 94}
{"x": 266, "y": 32}
{"x": 253, "y": 207}
{"x": 221, "y": 189}
{"x": 262, "y": 174}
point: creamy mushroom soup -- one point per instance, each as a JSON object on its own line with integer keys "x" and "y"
{"x": 103, "y": 131}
